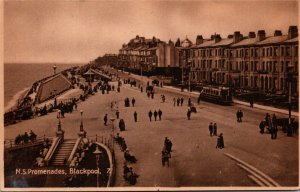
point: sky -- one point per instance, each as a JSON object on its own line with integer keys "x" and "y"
{"x": 80, "y": 31}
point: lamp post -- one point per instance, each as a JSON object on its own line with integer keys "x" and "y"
{"x": 185, "y": 44}
{"x": 142, "y": 77}
{"x": 289, "y": 80}
{"x": 59, "y": 124}
{"x": 97, "y": 153}
{"x": 81, "y": 123}
{"x": 113, "y": 134}
{"x": 54, "y": 69}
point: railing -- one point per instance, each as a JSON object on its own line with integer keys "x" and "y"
{"x": 101, "y": 139}
{"x": 10, "y": 143}
{"x": 55, "y": 143}
{"x": 74, "y": 150}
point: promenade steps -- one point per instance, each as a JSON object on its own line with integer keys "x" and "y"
{"x": 63, "y": 152}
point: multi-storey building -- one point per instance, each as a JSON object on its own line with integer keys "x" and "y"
{"x": 255, "y": 62}
{"x": 146, "y": 53}
{"x": 252, "y": 62}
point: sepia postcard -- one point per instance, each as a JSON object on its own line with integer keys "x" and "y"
{"x": 150, "y": 95}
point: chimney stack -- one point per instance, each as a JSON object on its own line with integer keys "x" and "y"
{"x": 293, "y": 32}
{"x": 236, "y": 37}
{"x": 277, "y": 33}
{"x": 251, "y": 35}
{"x": 217, "y": 38}
{"x": 199, "y": 40}
{"x": 261, "y": 34}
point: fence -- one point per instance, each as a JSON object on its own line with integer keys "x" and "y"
{"x": 10, "y": 143}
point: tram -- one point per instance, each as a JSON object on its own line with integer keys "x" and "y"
{"x": 219, "y": 95}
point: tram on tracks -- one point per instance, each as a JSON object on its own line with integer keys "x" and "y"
{"x": 220, "y": 95}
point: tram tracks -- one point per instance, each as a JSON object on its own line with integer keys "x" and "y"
{"x": 254, "y": 174}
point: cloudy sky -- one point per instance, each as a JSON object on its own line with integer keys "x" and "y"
{"x": 79, "y": 31}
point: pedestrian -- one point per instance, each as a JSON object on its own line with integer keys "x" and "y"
{"x": 241, "y": 115}
{"x": 135, "y": 116}
{"x": 159, "y": 114}
{"x": 251, "y": 102}
{"x": 238, "y": 116}
{"x": 117, "y": 114}
{"x": 274, "y": 120}
{"x": 189, "y": 102}
{"x": 178, "y": 101}
{"x": 174, "y": 101}
{"x": 148, "y": 94}
{"x": 155, "y": 114}
{"x": 165, "y": 158}
{"x": 181, "y": 101}
{"x": 211, "y": 128}
{"x": 215, "y": 129}
{"x": 152, "y": 94}
{"x": 105, "y": 119}
{"x": 220, "y": 141}
{"x": 262, "y": 127}
{"x": 133, "y": 102}
{"x": 150, "y": 115}
{"x": 189, "y": 114}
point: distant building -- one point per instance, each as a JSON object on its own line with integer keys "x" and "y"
{"x": 146, "y": 53}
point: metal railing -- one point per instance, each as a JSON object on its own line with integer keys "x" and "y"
{"x": 10, "y": 143}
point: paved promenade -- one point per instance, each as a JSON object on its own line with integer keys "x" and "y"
{"x": 195, "y": 160}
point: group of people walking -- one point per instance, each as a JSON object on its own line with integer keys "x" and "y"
{"x": 127, "y": 102}
{"x": 178, "y": 101}
{"x": 270, "y": 124}
{"x": 155, "y": 114}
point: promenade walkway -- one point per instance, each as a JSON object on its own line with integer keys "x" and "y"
{"x": 195, "y": 160}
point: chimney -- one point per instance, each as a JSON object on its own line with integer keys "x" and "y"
{"x": 199, "y": 40}
{"x": 261, "y": 35}
{"x": 230, "y": 36}
{"x": 236, "y": 37}
{"x": 251, "y": 34}
{"x": 293, "y": 32}
{"x": 217, "y": 38}
{"x": 277, "y": 33}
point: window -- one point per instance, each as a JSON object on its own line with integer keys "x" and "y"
{"x": 263, "y": 52}
{"x": 288, "y": 51}
{"x": 276, "y": 51}
{"x": 275, "y": 68}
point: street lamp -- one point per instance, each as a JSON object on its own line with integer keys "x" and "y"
{"x": 289, "y": 80}
{"x": 81, "y": 123}
{"x": 54, "y": 69}
{"x": 113, "y": 134}
{"x": 59, "y": 124}
{"x": 185, "y": 44}
{"x": 142, "y": 77}
{"x": 97, "y": 153}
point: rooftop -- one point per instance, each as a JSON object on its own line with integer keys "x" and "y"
{"x": 273, "y": 39}
{"x": 247, "y": 41}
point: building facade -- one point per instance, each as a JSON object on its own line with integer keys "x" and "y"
{"x": 255, "y": 62}
{"x": 147, "y": 54}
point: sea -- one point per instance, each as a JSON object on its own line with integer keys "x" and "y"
{"x": 19, "y": 77}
